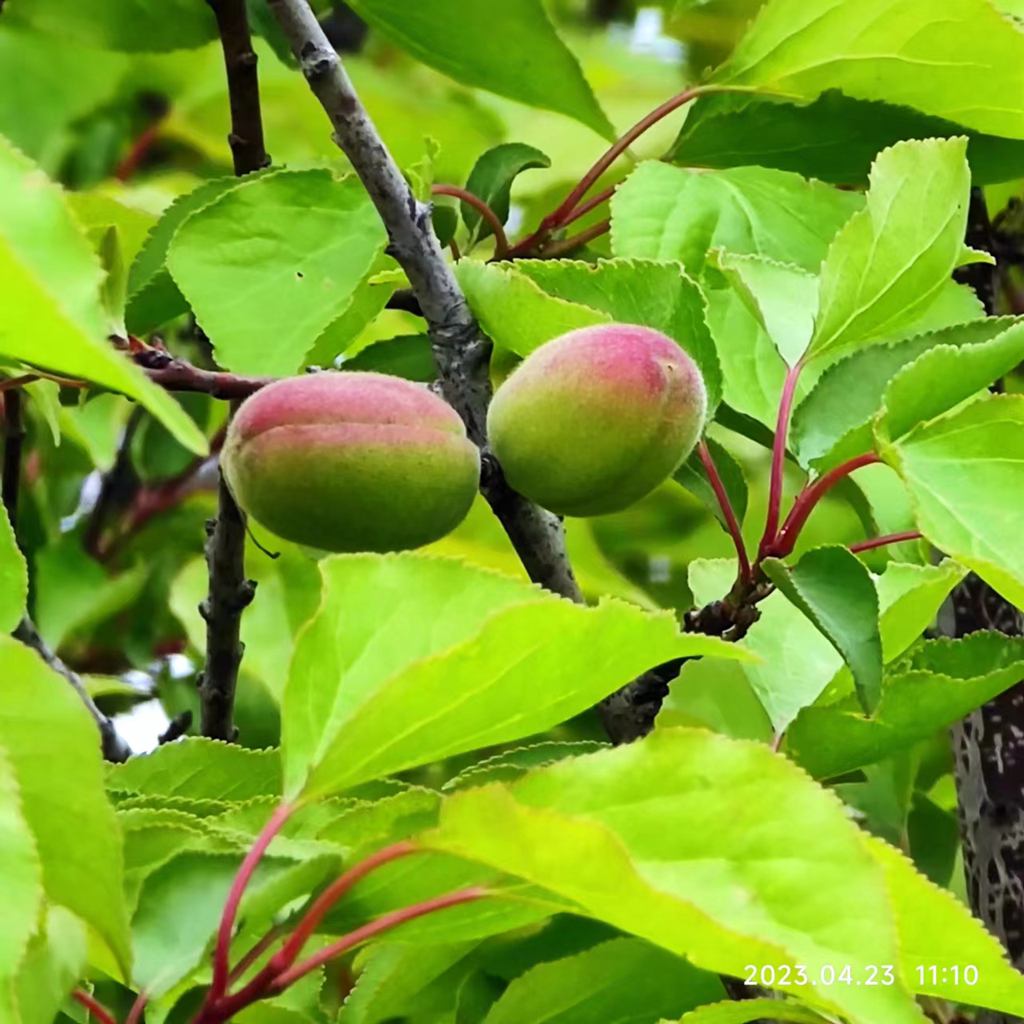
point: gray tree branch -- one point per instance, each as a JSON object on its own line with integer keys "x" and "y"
{"x": 461, "y": 350}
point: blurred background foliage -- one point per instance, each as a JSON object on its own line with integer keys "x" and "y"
{"x": 114, "y": 508}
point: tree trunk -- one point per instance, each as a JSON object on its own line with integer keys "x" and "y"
{"x": 988, "y": 745}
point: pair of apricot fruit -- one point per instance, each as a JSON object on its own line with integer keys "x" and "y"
{"x": 587, "y": 424}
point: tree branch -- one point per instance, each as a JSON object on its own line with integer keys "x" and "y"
{"x": 14, "y": 438}
{"x": 114, "y": 748}
{"x": 230, "y": 592}
{"x": 246, "y": 138}
{"x": 461, "y": 350}
{"x": 178, "y": 375}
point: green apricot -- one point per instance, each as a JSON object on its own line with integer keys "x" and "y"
{"x": 595, "y": 419}
{"x": 351, "y": 462}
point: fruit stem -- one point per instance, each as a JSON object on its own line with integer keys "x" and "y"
{"x": 493, "y": 221}
{"x": 771, "y": 525}
{"x": 96, "y": 1008}
{"x": 809, "y": 498}
{"x": 221, "y": 966}
{"x": 732, "y": 523}
{"x": 889, "y": 538}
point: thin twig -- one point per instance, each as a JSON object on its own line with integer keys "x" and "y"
{"x": 246, "y": 138}
{"x": 500, "y": 241}
{"x": 176, "y": 374}
{"x": 114, "y": 747}
{"x": 461, "y": 350}
{"x": 731, "y": 522}
{"x": 230, "y": 592}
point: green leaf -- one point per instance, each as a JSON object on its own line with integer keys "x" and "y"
{"x": 796, "y": 663}
{"x": 833, "y": 422}
{"x": 13, "y": 577}
{"x": 58, "y": 81}
{"x": 52, "y": 964}
{"x": 833, "y": 138}
{"x": 940, "y": 684}
{"x": 363, "y": 701}
{"x": 835, "y": 591}
{"x": 179, "y": 907}
{"x": 394, "y": 976}
{"x": 782, "y": 296}
{"x": 945, "y": 376}
{"x": 750, "y": 1011}
{"x": 200, "y": 769}
{"x": 408, "y": 355}
{"x": 962, "y": 470}
{"x": 153, "y": 297}
{"x": 516, "y": 313}
{"x": 601, "y": 983}
{"x": 889, "y": 262}
{"x": 22, "y": 874}
{"x": 667, "y": 213}
{"x": 472, "y": 42}
{"x": 133, "y": 25}
{"x": 268, "y": 265}
{"x": 959, "y": 61}
{"x": 692, "y": 475}
{"x": 50, "y": 310}
{"x": 369, "y": 300}
{"x": 644, "y": 292}
{"x": 937, "y": 930}
{"x": 48, "y": 736}
{"x": 753, "y": 371}
{"x": 491, "y": 180}
{"x": 715, "y": 849}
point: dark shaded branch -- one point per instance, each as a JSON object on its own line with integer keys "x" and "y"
{"x": 14, "y": 438}
{"x": 988, "y": 745}
{"x": 118, "y": 488}
{"x": 114, "y": 747}
{"x": 246, "y": 138}
{"x": 178, "y": 375}
{"x": 461, "y": 350}
{"x": 230, "y": 592}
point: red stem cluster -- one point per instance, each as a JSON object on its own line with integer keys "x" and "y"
{"x": 284, "y": 968}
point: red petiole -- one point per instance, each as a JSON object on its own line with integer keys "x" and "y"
{"x": 282, "y": 970}
{"x": 880, "y": 542}
{"x": 493, "y": 221}
{"x": 732, "y": 523}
